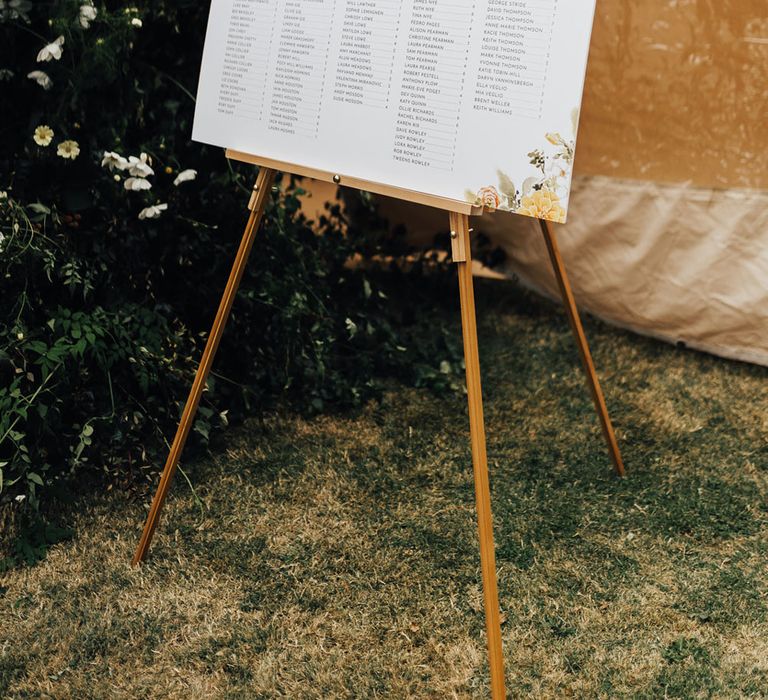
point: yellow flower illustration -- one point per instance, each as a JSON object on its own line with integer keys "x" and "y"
{"x": 543, "y": 204}
{"x": 68, "y": 149}
{"x": 43, "y": 135}
{"x": 489, "y": 197}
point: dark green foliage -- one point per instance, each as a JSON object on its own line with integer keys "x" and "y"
{"x": 103, "y": 315}
{"x": 32, "y": 544}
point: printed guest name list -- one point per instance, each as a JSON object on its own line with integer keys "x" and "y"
{"x": 392, "y": 86}
{"x": 276, "y": 66}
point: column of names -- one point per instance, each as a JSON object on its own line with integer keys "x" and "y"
{"x": 300, "y": 69}
{"x": 432, "y": 87}
{"x": 246, "y": 53}
{"x": 515, "y": 54}
{"x": 369, "y": 35}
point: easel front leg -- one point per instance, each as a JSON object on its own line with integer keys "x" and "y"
{"x": 462, "y": 256}
{"x": 581, "y": 341}
{"x": 257, "y": 205}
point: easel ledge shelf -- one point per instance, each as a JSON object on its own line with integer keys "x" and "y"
{"x": 444, "y": 203}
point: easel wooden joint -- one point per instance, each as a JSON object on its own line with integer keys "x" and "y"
{"x": 459, "y": 237}
{"x": 459, "y": 213}
{"x": 253, "y": 201}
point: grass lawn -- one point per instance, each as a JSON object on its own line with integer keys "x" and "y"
{"x": 337, "y": 557}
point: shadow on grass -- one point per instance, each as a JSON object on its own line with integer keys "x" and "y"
{"x": 337, "y": 557}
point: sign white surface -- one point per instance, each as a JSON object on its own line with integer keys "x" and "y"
{"x": 473, "y": 100}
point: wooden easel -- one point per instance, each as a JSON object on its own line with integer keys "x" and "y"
{"x": 459, "y": 213}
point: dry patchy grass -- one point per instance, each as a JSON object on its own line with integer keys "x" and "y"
{"x": 336, "y": 557}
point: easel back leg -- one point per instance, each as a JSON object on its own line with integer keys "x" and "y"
{"x": 581, "y": 341}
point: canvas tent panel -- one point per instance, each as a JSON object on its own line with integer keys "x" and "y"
{"x": 689, "y": 268}
{"x": 678, "y": 92}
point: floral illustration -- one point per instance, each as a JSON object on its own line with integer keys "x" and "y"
{"x": 542, "y": 204}
{"x": 489, "y": 197}
{"x": 543, "y": 195}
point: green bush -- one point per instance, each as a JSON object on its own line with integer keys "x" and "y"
{"x": 107, "y": 298}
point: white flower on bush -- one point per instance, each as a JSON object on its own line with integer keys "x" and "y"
{"x": 137, "y": 184}
{"x": 51, "y": 51}
{"x": 87, "y": 14}
{"x": 41, "y": 78}
{"x": 185, "y": 176}
{"x": 68, "y": 149}
{"x": 139, "y": 167}
{"x": 153, "y": 212}
{"x": 6, "y": 74}
{"x": 136, "y": 22}
{"x": 114, "y": 161}
{"x": 43, "y": 135}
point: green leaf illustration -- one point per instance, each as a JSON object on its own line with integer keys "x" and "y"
{"x": 506, "y": 185}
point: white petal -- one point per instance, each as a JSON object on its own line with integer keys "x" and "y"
{"x": 141, "y": 170}
{"x": 51, "y": 51}
{"x": 152, "y": 212}
{"x": 137, "y": 183}
{"x": 113, "y": 160}
{"x": 185, "y": 176}
{"x": 138, "y": 168}
{"x": 41, "y": 79}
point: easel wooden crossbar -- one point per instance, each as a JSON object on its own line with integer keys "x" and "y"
{"x": 459, "y": 213}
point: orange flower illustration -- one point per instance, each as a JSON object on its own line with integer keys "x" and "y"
{"x": 543, "y": 204}
{"x": 489, "y": 197}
